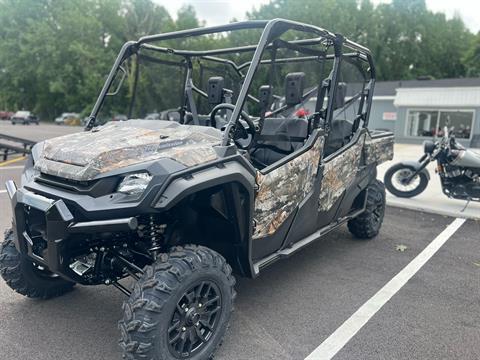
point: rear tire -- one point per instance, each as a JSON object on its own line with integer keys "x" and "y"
{"x": 22, "y": 276}
{"x": 180, "y": 307}
{"x": 422, "y": 185}
{"x": 367, "y": 225}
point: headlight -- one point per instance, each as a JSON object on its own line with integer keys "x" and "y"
{"x": 429, "y": 147}
{"x": 134, "y": 184}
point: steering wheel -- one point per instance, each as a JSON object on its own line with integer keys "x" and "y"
{"x": 240, "y": 131}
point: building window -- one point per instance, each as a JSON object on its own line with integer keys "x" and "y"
{"x": 430, "y": 123}
{"x": 461, "y": 121}
{"x": 422, "y": 123}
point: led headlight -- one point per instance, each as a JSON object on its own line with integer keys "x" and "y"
{"x": 134, "y": 184}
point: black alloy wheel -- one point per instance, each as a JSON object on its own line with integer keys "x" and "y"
{"x": 180, "y": 307}
{"x": 195, "y": 319}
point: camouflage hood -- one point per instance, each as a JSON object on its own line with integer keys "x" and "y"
{"x": 86, "y": 155}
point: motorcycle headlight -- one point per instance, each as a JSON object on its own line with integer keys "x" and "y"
{"x": 134, "y": 184}
{"x": 429, "y": 147}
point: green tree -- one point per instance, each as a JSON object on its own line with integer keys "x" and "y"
{"x": 406, "y": 39}
{"x": 472, "y": 57}
{"x": 55, "y": 54}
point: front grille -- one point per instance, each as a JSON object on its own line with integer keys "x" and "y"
{"x": 68, "y": 184}
{"x": 94, "y": 188}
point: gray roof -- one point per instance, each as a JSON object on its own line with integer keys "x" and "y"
{"x": 387, "y": 88}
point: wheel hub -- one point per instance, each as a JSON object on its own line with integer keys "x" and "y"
{"x": 192, "y": 317}
{"x": 194, "y": 320}
{"x": 401, "y": 180}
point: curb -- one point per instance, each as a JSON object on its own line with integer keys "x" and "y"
{"x": 431, "y": 210}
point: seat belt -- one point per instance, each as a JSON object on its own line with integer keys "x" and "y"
{"x": 266, "y": 104}
{"x": 322, "y": 88}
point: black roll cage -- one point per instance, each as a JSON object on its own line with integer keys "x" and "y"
{"x": 272, "y": 29}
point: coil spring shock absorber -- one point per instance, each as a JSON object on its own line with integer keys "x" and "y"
{"x": 156, "y": 236}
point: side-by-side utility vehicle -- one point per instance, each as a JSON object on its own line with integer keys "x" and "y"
{"x": 231, "y": 180}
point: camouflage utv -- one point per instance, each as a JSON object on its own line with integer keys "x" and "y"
{"x": 238, "y": 174}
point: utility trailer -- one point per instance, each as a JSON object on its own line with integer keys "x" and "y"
{"x": 11, "y": 145}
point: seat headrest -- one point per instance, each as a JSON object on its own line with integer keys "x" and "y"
{"x": 215, "y": 90}
{"x": 264, "y": 94}
{"x": 294, "y": 84}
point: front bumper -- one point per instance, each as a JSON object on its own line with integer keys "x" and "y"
{"x": 57, "y": 224}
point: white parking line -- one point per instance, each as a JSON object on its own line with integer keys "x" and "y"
{"x": 3, "y": 191}
{"x": 11, "y": 167}
{"x": 336, "y": 341}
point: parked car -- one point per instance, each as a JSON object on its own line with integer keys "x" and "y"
{"x": 24, "y": 117}
{"x": 120, "y": 117}
{"x": 72, "y": 119}
{"x": 153, "y": 116}
{"x": 6, "y": 115}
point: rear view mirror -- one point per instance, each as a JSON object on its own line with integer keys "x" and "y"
{"x": 340, "y": 95}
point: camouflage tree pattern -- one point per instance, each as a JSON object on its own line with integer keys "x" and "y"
{"x": 339, "y": 174}
{"x": 378, "y": 149}
{"x": 281, "y": 190}
{"x": 84, "y": 156}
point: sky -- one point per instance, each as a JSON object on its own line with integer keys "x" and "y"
{"x": 215, "y": 12}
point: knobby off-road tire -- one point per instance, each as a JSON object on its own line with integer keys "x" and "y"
{"x": 23, "y": 277}
{"x": 187, "y": 291}
{"x": 368, "y": 224}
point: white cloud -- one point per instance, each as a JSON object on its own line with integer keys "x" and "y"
{"x": 216, "y": 12}
{"x": 468, "y": 10}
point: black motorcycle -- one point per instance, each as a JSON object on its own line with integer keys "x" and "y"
{"x": 458, "y": 168}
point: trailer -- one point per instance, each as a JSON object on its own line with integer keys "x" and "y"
{"x": 11, "y": 145}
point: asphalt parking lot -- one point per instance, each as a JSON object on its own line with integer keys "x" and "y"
{"x": 296, "y": 304}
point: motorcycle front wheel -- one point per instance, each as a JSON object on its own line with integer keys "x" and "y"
{"x": 396, "y": 181}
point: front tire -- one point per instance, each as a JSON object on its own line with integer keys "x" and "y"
{"x": 180, "y": 307}
{"x": 393, "y": 181}
{"x": 22, "y": 276}
{"x": 367, "y": 225}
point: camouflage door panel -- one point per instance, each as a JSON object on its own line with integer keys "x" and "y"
{"x": 281, "y": 190}
{"x": 378, "y": 150}
{"x": 339, "y": 174}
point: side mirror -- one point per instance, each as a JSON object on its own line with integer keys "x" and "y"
{"x": 340, "y": 95}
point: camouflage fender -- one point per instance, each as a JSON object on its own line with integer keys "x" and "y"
{"x": 378, "y": 150}
{"x": 339, "y": 174}
{"x": 281, "y": 190}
